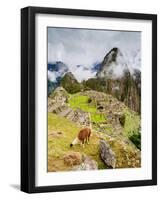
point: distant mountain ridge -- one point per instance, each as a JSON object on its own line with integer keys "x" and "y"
{"x": 113, "y": 76}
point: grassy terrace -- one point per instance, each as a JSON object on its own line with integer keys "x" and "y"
{"x": 82, "y": 102}
{"x": 79, "y": 101}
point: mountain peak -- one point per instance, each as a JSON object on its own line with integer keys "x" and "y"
{"x": 114, "y": 65}
{"x": 70, "y": 75}
{"x": 115, "y": 49}
{"x": 70, "y": 83}
{"x": 112, "y": 55}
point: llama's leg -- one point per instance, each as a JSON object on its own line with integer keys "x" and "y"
{"x": 83, "y": 143}
{"x": 88, "y": 140}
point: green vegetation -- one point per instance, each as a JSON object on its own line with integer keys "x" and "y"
{"x": 58, "y": 145}
{"x": 95, "y": 84}
{"x": 127, "y": 156}
{"x": 84, "y": 103}
{"x": 71, "y": 84}
{"x": 128, "y": 90}
{"x": 80, "y": 101}
{"x": 122, "y": 119}
{"x": 132, "y": 122}
{"x": 135, "y": 137}
{"x": 97, "y": 117}
{"x": 62, "y": 131}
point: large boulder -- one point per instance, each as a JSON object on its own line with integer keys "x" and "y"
{"x": 72, "y": 158}
{"x": 87, "y": 164}
{"x": 107, "y": 155}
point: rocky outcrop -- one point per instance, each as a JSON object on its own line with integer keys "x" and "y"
{"x": 58, "y": 104}
{"x": 87, "y": 164}
{"x": 107, "y": 155}
{"x": 57, "y": 98}
{"x": 72, "y": 158}
{"x": 78, "y": 116}
{"x": 110, "y": 108}
{"x": 127, "y": 155}
{"x": 79, "y": 161}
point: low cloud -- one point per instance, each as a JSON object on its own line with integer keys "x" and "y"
{"x": 82, "y": 73}
{"x": 86, "y": 47}
{"x": 52, "y": 76}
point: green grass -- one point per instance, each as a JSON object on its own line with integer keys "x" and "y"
{"x": 97, "y": 117}
{"x": 136, "y": 139}
{"x": 58, "y": 146}
{"x": 132, "y": 122}
{"x": 132, "y": 119}
{"x": 80, "y": 101}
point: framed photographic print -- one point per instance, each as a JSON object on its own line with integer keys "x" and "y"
{"x": 88, "y": 99}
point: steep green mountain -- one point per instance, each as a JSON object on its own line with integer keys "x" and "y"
{"x": 115, "y": 78}
{"x": 70, "y": 83}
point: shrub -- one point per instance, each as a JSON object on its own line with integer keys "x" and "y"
{"x": 135, "y": 137}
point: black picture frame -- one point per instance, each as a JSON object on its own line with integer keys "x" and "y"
{"x": 28, "y": 98}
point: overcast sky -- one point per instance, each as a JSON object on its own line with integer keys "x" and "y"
{"x": 86, "y": 47}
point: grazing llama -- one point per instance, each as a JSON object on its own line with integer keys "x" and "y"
{"x": 83, "y": 137}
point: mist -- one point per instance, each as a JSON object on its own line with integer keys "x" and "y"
{"x": 86, "y": 47}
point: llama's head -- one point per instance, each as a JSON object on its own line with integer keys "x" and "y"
{"x": 75, "y": 141}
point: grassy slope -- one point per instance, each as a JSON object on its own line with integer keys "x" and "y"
{"x": 58, "y": 146}
{"x": 132, "y": 122}
{"x": 80, "y": 101}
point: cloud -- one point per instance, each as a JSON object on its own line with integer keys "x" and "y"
{"x": 86, "y": 47}
{"x": 83, "y": 73}
{"x": 52, "y": 76}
